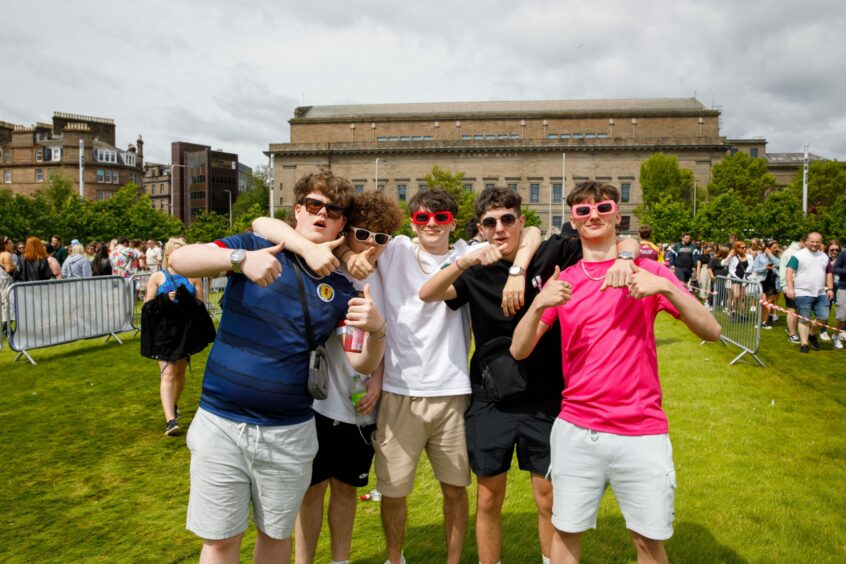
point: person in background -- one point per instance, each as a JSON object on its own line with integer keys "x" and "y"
{"x": 90, "y": 251}
{"x": 172, "y": 374}
{"x": 789, "y": 302}
{"x": 703, "y": 274}
{"x": 684, "y": 258}
{"x": 809, "y": 283}
{"x": 101, "y": 265}
{"x": 154, "y": 256}
{"x": 839, "y": 271}
{"x": 648, "y": 249}
{"x": 59, "y": 252}
{"x": 76, "y": 265}
{"x": 33, "y": 265}
{"x": 55, "y": 265}
{"x": 18, "y": 252}
{"x": 7, "y": 269}
{"x": 124, "y": 259}
{"x": 832, "y": 250}
{"x": 765, "y": 269}
{"x": 717, "y": 267}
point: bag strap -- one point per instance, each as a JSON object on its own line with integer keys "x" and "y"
{"x": 304, "y": 303}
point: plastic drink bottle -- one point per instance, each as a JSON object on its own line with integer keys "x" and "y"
{"x": 357, "y": 391}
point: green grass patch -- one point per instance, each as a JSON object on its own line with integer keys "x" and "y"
{"x": 88, "y": 476}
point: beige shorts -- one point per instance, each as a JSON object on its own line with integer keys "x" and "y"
{"x": 408, "y": 425}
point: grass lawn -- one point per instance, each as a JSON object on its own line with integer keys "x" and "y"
{"x": 87, "y": 475}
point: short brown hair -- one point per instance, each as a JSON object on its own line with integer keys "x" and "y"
{"x": 497, "y": 197}
{"x": 592, "y": 190}
{"x": 645, "y": 232}
{"x": 374, "y": 211}
{"x": 339, "y": 190}
{"x": 433, "y": 199}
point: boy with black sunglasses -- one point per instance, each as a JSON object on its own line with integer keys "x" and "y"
{"x": 514, "y": 260}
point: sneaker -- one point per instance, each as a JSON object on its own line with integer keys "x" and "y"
{"x": 793, "y": 339}
{"x": 766, "y": 325}
{"x": 838, "y": 343}
{"x": 172, "y": 427}
{"x": 775, "y": 317}
{"x": 824, "y": 337}
{"x": 803, "y": 348}
{"x": 815, "y": 344}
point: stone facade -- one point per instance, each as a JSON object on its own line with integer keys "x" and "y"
{"x": 29, "y": 155}
{"x": 527, "y": 146}
{"x": 157, "y": 185}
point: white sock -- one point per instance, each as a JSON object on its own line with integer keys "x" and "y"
{"x": 545, "y": 559}
{"x": 340, "y": 562}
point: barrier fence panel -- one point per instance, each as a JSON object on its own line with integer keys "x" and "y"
{"x": 53, "y": 312}
{"x": 139, "y": 292}
{"x": 213, "y": 293}
{"x": 736, "y": 305}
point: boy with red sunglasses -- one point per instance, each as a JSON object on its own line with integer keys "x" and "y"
{"x": 495, "y": 429}
{"x": 611, "y": 427}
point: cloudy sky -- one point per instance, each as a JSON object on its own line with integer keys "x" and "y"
{"x": 228, "y": 73}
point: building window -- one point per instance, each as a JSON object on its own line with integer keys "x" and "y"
{"x": 100, "y": 175}
{"x": 421, "y": 187}
{"x": 104, "y": 156}
{"x": 381, "y": 139}
{"x": 468, "y": 187}
{"x": 56, "y": 154}
{"x": 115, "y": 177}
{"x": 380, "y": 187}
{"x": 556, "y": 194}
{"x": 130, "y": 159}
{"x": 7, "y": 176}
{"x": 753, "y": 152}
{"x": 108, "y": 176}
{"x": 489, "y": 185}
{"x": 359, "y": 188}
{"x": 565, "y": 136}
{"x": 102, "y": 195}
{"x": 625, "y": 222}
{"x": 39, "y": 155}
{"x": 513, "y": 186}
{"x": 556, "y": 221}
{"x": 39, "y": 175}
{"x": 401, "y": 193}
{"x": 625, "y": 192}
{"x": 552, "y": 136}
{"x": 733, "y": 151}
{"x": 534, "y": 193}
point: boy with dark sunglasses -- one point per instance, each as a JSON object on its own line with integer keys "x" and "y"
{"x": 514, "y": 260}
{"x": 611, "y": 427}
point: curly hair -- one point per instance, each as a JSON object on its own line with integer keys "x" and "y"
{"x": 339, "y": 190}
{"x": 592, "y": 190}
{"x": 374, "y": 211}
{"x": 433, "y": 199}
{"x": 497, "y": 197}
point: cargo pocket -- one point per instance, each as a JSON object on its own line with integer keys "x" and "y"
{"x": 671, "y": 497}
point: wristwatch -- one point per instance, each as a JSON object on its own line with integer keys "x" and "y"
{"x": 516, "y": 270}
{"x": 237, "y": 259}
{"x": 625, "y": 255}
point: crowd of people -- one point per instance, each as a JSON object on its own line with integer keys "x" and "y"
{"x": 809, "y": 273}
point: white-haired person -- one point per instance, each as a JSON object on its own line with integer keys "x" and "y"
{"x": 166, "y": 281}
{"x": 76, "y": 265}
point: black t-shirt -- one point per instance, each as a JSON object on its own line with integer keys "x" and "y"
{"x": 481, "y": 287}
{"x": 718, "y": 267}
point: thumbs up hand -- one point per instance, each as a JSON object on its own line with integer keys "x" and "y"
{"x": 362, "y": 313}
{"x": 262, "y": 266}
{"x": 359, "y": 265}
{"x": 644, "y": 283}
{"x": 555, "y": 292}
{"x": 320, "y": 259}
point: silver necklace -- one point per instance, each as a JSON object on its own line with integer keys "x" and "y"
{"x": 420, "y": 263}
{"x": 600, "y": 279}
{"x": 307, "y": 270}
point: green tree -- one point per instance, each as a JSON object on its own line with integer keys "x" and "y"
{"x": 745, "y": 176}
{"x": 453, "y": 183}
{"x": 670, "y": 218}
{"x": 257, "y": 193}
{"x": 780, "y": 217}
{"x": 532, "y": 217}
{"x": 661, "y": 176}
{"x": 722, "y": 216}
{"x": 207, "y": 227}
{"x": 826, "y": 182}
{"x": 245, "y": 221}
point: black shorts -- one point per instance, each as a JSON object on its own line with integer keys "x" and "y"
{"x": 492, "y": 435}
{"x": 788, "y": 303}
{"x": 345, "y": 452}
{"x": 683, "y": 273}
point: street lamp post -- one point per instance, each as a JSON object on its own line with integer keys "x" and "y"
{"x": 171, "y": 186}
{"x": 230, "y": 207}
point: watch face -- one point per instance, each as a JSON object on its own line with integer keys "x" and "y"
{"x": 237, "y": 257}
{"x": 515, "y": 270}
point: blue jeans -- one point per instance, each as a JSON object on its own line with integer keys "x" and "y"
{"x": 819, "y": 305}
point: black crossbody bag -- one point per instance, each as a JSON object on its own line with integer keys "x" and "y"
{"x": 503, "y": 377}
{"x": 318, "y": 369}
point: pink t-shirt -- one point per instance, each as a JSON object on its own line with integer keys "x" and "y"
{"x": 608, "y": 350}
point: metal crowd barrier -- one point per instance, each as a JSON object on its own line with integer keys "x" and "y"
{"x": 736, "y": 305}
{"x": 53, "y": 312}
{"x": 213, "y": 293}
{"x": 139, "y": 291}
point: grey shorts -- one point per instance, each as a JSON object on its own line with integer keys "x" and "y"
{"x": 639, "y": 469}
{"x": 233, "y": 464}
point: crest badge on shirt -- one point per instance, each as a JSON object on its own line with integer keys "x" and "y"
{"x": 325, "y": 292}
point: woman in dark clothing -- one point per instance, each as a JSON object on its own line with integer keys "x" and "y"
{"x": 33, "y": 265}
{"x": 101, "y": 265}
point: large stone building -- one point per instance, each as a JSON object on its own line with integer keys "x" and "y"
{"x": 204, "y": 180}
{"x": 29, "y": 155}
{"x": 157, "y": 185}
{"x": 539, "y": 148}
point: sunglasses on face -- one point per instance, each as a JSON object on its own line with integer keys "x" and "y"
{"x": 362, "y": 235}
{"x": 422, "y": 218}
{"x": 313, "y": 206}
{"x": 605, "y": 207}
{"x": 507, "y": 219}
{"x": 833, "y": 250}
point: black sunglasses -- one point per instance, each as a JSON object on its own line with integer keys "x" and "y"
{"x": 362, "y": 234}
{"x": 333, "y": 211}
{"x": 507, "y": 219}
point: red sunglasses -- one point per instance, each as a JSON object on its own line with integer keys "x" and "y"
{"x": 605, "y": 207}
{"x": 422, "y": 218}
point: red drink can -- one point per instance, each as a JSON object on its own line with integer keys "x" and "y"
{"x": 353, "y": 337}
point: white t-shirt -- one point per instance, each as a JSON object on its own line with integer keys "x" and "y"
{"x": 337, "y": 404}
{"x": 426, "y": 352}
{"x": 809, "y": 279}
{"x": 154, "y": 259}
